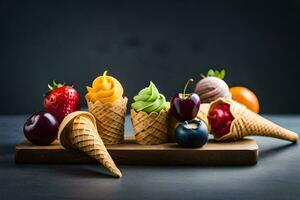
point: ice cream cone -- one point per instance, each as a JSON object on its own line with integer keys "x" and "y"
{"x": 78, "y": 131}
{"x": 150, "y": 128}
{"x": 248, "y": 123}
{"x": 110, "y": 119}
{"x": 203, "y": 112}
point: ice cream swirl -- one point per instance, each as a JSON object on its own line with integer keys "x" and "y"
{"x": 149, "y": 100}
{"x": 105, "y": 89}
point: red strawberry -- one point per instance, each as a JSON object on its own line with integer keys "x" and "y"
{"x": 61, "y": 100}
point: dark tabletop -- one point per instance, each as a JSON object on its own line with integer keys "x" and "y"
{"x": 275, "y": 176}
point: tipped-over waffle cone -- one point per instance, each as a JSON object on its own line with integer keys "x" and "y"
{"x": 150, "y": 128}
{"x": 203, "y": 112}
{"x": 110, "y": 119}
{"x": 248, "y": 123}
{"x": 78, "y": 131}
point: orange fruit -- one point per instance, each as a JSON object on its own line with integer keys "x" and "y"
{"x": 246, "y": 97}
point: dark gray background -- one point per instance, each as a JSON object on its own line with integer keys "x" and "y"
{"x": 137, "y": 41}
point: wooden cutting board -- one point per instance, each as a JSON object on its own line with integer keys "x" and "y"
{"x": 243, "y": 152}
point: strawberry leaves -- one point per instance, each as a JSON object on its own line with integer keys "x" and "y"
{"x": 52, "y": 86}
{"x": 215, "y": 73}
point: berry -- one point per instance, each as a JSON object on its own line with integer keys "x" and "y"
{"x": 220, "y": 119}
{"x": 61, "y": 100}
{"x": 41, "y": 128}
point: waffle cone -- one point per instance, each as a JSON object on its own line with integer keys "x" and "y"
{"x": 150, "y": 128}
{"x": 110, "y": 119}
{"x": 248, "y": 123}
{"x": 203, "y": 112}
{"x": 78, "y": 131}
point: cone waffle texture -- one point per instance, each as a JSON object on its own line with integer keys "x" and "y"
{"x": 110, "y": 119}
{"x": 203, "y": 112}
{"x": 150, "y": 128}
{"x": 248, "y": 123}
{"x": 78, "y": 131}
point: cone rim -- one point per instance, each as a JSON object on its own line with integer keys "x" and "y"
{"x": 199, "y": 118}
{"x": 215, "y": 103}
{"x": 117, "y": 102}
{"x": 151, "y": 113}
{"x": 69, "y": 118}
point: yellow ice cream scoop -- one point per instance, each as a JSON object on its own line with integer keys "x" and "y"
{"x": 105, "y": 89}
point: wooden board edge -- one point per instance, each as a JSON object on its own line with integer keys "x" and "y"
{"x": 127, "y": 156}
{"x": 220, "y": 158}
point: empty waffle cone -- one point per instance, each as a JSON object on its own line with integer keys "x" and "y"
{"x": 150, "y": 128}
{"x": 248, "y": 123}
{"x": 78, "y": 131}
{"x": 110, "y": 119}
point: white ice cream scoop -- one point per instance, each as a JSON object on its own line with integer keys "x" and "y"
{"x": 211, "y": 88}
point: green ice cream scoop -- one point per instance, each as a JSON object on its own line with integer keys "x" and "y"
{"x": 149, "y": 100}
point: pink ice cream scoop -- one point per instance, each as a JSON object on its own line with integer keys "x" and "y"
{"x": 211, "y": 88}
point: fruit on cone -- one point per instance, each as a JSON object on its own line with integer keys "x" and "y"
{"x": 246, "y": 97}
{"x": 212, "y": 86}
{"x": 78, "y": 131}
{"x": 230, "y": 120}
{"x": 61, "y": 100}
{"x": 220, "y": 119}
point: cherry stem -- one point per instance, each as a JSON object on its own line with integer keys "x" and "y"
{"x": 185, "y": 87}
